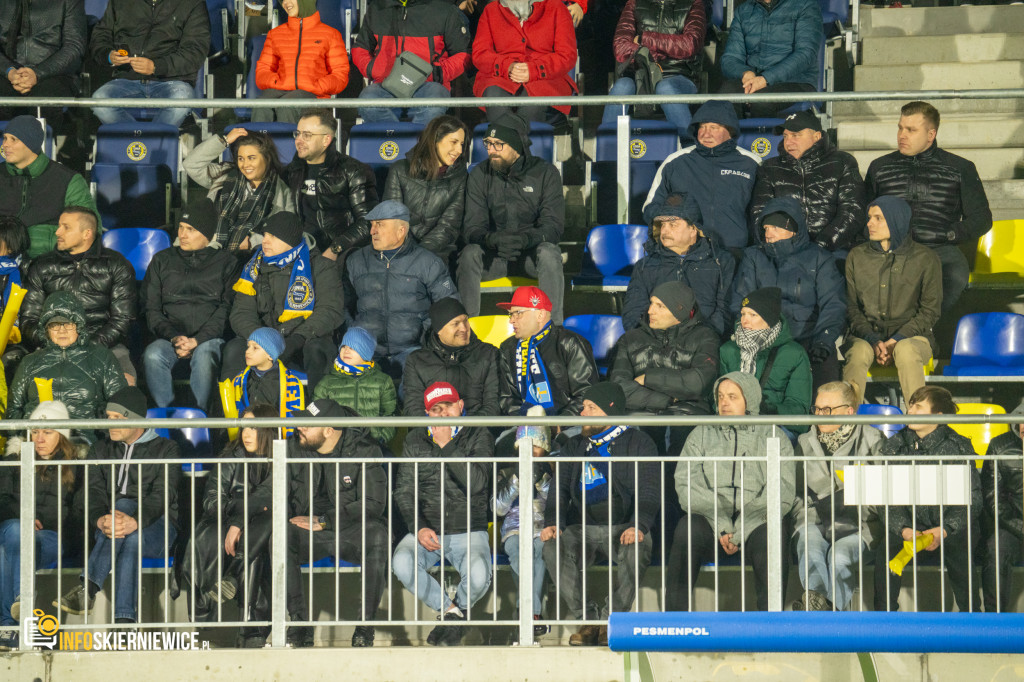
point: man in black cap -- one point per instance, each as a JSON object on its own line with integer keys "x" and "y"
{"x": 453, "y": 354}
{"x": 35, "y": 189}
{"x": 186, "y": 297}
{"x": 597, "y": 491}
{"x": 288, "y": 286}
{"x": 823, "y": 179}
{"x": 515, "y": 214}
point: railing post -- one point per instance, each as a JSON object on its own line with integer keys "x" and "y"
{"x": 279, "y": 538}
{"x": 28, "y": 535}
{"x": 775, "y": 586}
{"x": 622, "y": 157}
{"x": 526, "y": 542}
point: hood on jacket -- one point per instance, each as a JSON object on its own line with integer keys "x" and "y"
{"x": 721, "y": 113}
{"x": 63, "y": 304}
{"x": 897, "y": 217}
{"x": 791, "y": 207}
{"x": 748, "y": 384}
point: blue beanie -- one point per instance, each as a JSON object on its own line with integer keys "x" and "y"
{"x": 361, "y": 341}
{"x": 270, "y": 340}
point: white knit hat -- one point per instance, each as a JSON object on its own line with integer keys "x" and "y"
{"x": 52, "y": 409}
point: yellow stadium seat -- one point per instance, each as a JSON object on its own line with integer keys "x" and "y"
{"x": 1000, "y": 257}
{"x": 492, "y": 329}
{"x": 508, "y": 283}
{"x": 980, "y": 434}
{"x": 879, "y": 373}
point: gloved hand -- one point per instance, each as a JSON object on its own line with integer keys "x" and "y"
{"x": 292, "y": 347}
{"x": 819, "y": 353}
{"x": 491, "y": 240}
{"x": 510, "y": 246}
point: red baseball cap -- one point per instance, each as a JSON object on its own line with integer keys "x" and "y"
{"x": 528, "y": 297}
{"x": 439, "y": 392}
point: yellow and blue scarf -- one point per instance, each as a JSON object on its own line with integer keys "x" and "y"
{"x": 352, "y": 370}
{"x": 10, "y": 274}
{"x": 301, "y": 297}
{"x": 594, "y": 478}
{"x": 291, "y": 394}
{"x": 531, "y": 374}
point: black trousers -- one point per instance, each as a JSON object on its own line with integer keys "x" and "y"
{"x": 958, "y": 564}
{"x": 1010, "y": 551}
{"x": 55, "y": 86}
{"x": 764, "y": 109}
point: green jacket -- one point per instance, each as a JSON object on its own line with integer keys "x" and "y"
{"x": 371, "y": 394}
{"x": 788, "y": 388}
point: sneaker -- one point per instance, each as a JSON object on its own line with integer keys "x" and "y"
{"x": 223, "y": 591}
{"x": 9, "y": 640}
{"x": 812, "y": 600}
{"x": 453, "y": 633}
{"x": 252, "y": 641}
{"x": 540, "y": 630}
{"x": 585, "y": 636}
{"x": 77, "y": 601}
{"x": 363, "y": 636}
{"x": 437, "y": 634}
{"x": 300, "y": 637}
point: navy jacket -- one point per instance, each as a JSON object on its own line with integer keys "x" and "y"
{"x": 778, "y": 41}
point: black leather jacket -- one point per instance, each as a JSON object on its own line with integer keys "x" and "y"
{"x": 1010, "y": 477}
{"x": 569, "y": 362}
{"x": 435, "y": 206}
{"x": 472, "y": 370}
{"x": 52, "y": 41}
{"x": 189, "y": 293}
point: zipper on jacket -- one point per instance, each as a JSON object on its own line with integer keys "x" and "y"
{"x": 298, "y": 53}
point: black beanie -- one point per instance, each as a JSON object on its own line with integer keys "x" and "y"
{"x": 608, "y": 396}
{"x": 767, "y": 303}
{"x": 678, "y": 298}
{"x": 286, "y": 226}
{"x": 130, "y": 401}
{"x": 201, "y": 215}
{"x": 780, "y": 219}
{"x": 506, "y": 130}
{"x": 444, "y": 311}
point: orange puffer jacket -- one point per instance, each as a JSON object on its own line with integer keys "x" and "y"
{"x": 304, "y": 54}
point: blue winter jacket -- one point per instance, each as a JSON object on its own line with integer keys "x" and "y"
{"x": 779, "y": 41}
{"x": 813, "y": 290}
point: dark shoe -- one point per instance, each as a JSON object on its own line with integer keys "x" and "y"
{"x": 9, "y": 640}
{"x": 363, "y": 636}
{"x": 602, "y": 635}
{"x": 437, "y": 634}
{"x": 252, "y": 641}
{"x": 540, "y": 630}
{"x": 585, "y": 636}
{"x": 300, "y": 637}
{"x": 453, "y": 633}
{"x": 227, "y": 590}
{"x": 816, "y": 601}
{"x": 77, "y": 601}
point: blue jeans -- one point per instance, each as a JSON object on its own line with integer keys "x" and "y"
{"x": 126, "y": 552}
{"x": 679, "y": 114}
{"x": 512, "y": 550}
{"x": 10, "y": 563}
{"x": 159, "y": 358}
{"x": 122, "y": 87}
{"x": 418, "y": 114}
{"x": 820, "y": 558}
{"x": 411, "y": 560}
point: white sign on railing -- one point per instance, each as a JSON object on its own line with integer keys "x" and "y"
{"x": 908, "y": 484}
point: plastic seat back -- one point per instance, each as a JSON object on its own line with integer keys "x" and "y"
{"x": 280, "y": 132}
{"x": 140, "y": 142}
{"x": 1000, "y": 256}
{"x": 492, "y": 329}
{"x": 193, "y": 442}
{"x": 648, "y": 141}
{"x": 130, "y": 195}
{"x": 379, "y": 145}
{"x": 610, "y": 254}
{"x": 988, "y": 344}
{"x": 137, "y": 244}
{"x": 602, "y": 331}
{"x": 982, "y": 433}
{"x": 542, "y": 142}
{"x": 888, "y": 429}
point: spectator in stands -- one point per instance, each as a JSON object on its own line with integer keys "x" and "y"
{"x": 290, "y": 287}
{"x": 763, "y": 346}
{"x": 357, "y": 383}
{"x": 41, "y": 49}
{"x": 30, "y": 184}
{"x": 435, "y": 41}
{"x": 344, "y": 519}
{"x": 245, "y": 192}
{"x": 524, "y": 48}
{"x": 717, "y": 173}
{"x": 187, "y": 297}
{"x": 679, "y": 250}
{"x": 13, "y": 245}
{"x": 102, "y": 279}
{"x": 1002, "y": 484}
{"x": 893, "y": 294}
{"x": 466, "y": 491}
{"x": 54, "y": 497}
{"x": 813, "y": 295}
{"x": 542, "y": 363}
{"x": 302, "y": 58}
{"x": 332, "y": 191}
{"x": 946, "y": 196}
{"x": 663, "y": 38}
{"x": 726, "y": 507}
{"x": 265, "y": 379}
{"x": 515, "y": 215}
{"x": 431, "y": 182}
{"x": 144, "y": 513}
{"x": 824, "y": 180}
{"x": 948, "y": 525}
{"x": 453, "y": 354}
{"x": 626, "y": 494}
{"x": 773, "y": 47}
{"x": 668, "y": 364}
{"x": 829, "y": 535}
{"x": 394, "y": 281}
{"x": 155, "y": 51}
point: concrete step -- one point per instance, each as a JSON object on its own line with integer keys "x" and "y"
{"x": 966, "y": 47}
{"x": 940, "y": 76}
{"x": 1006, "y": 195}
{"x": 992, "y": 164}
{"x": 915, "y": 21}
{"x": 890, "y": 109}
{"x": 988, "y": 130}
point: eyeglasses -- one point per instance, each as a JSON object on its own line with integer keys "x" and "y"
{"x": 305, "y": 134}
{"x": 61, "y": 326}
{"x": 516, "y": 314}
{"x": 826, "y": 410}
{"x": 496, "y": 146}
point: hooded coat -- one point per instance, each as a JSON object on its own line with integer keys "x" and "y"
{"x": 1002, "y": 481}
{"x": 778, "y": 40}
{"x": 894, "y": 294}
{"x": 721, "y": 178}
{"x": 471, "y": 369}
{"x": 813, "y": 295}
{"x": 732, "y": 495}
{"x": 304, "y": 54}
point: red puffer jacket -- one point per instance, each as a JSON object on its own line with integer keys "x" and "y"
{"x": 304, "y": 54}
{"x": 546, "y": 42}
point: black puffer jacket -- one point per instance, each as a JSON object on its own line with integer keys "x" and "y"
{"x": 472, "y": 370}
{"x": 827, "y": 184}
{"x": 680, "y": 364}
{"x": 82, "y": 376}
{"x": 526, "y": 200}
{"x": 1008, "y": 476}
{"x": 346, "y": 190}
{"x": 188, "y": 293}
{"x": 54, "y": 501}
{"x": 52, "y": 42}
{"x": 569, "y": 362}
{"x": 102, "y": 280}
{"x": 435, "y": 206}
{"x": 946, "y": 196}
{"x": 463, "y": 483}
{"x": 175, "y": 34}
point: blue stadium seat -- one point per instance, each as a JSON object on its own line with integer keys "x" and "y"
{"x": 888, "y": 429}
{"x": 542, "y": 139}
{"x": 833, "y": 13}
{"x": 94, "y": 10}
{"x": 137, "y": 194}
{"x": 137, "y": 143}
{"x": 988, "y": 344}
{"x": 255, "y": 48}
{"x": 222, "y": 14}
{"x": 650, "y": 143}
{"x": 381, "y": 144}
{"x": 137, "y": 244}
{"x": 332, "y": 13}
{"x": 758, "y": 136}
{"x": 718, "y": 13}
{"x": 610, "y": 254}
{"x": 193, "y": 442}
{"x": 602, "y": 331}
{"x": 280, "y": 132}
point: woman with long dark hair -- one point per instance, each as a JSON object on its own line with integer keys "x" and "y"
{"x": 431, "y": 182}
{"x": 244, "y": 191}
